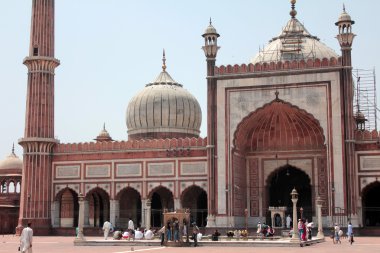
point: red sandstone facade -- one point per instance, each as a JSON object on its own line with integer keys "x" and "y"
{"x": 271, "y": 125}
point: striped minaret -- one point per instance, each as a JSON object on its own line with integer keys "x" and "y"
{"x": 39, "y": 138}
{"x": 345, "y": 38}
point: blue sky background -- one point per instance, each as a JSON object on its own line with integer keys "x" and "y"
{"x": 109, "y": 49}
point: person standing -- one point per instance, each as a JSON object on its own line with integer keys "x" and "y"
{"x": 106, "y": 229}
{"x": 300, "y": 228}
{"x": 26, "y": 239}
{"x": 162, "y": 234}
{"x": 131, "y": 229}
{"x": 258, "y": 232}
{"x": 350, "y": 233}
{"x": 336, "y": 233}
{"x": 288, "y": 221}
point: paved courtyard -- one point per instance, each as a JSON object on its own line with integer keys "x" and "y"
{"x": 9, "y": 244}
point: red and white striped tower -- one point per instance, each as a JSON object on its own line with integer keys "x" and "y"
{"x": 211, "y": 49}
{"x": 345, "y": 38}
{"x": 39, "y": 138}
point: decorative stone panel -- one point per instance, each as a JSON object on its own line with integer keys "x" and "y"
{"x": 369, "y": 163}
{"x": 98, "y": 171}
{"x": 67, "y": 171}
{"x": 160, "y": 169}
{"x": 193, "y": 168}
{"x": 128, "y": 170}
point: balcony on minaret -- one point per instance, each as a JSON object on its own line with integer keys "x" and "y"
{"x": 345, "y": 35}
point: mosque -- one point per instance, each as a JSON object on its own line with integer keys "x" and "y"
{"x": 285, "y": 120}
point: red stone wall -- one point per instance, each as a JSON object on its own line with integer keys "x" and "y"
{"x": 239, "y": 187}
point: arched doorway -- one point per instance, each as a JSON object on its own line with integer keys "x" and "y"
{"x": 271, "y": 132}
{"x": 371, "y": 205}
{"x": 161, "y": 198}
{"x": 279, "y": 186}
{"x": 99, "y": 207}
{"x": 69, "y": 208}
{"x": 130, "y": 207}
{"x": 195, "y": 198}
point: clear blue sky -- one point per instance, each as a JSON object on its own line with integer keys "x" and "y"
{"x": 109, "y": 49}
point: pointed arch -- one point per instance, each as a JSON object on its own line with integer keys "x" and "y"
{"x": 195, "y": 198}
{"x": 161, "y": 198}
{"x": 279, "y": 125}
{"x": 371, "y": 204}
{"x": 99, "y": 206}
{"x": 129, "y": 206}
{"x": 281, "y": 182}
{"x": 68, "y": 207}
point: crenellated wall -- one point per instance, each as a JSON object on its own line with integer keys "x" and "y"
{"x": 276, "y": 66}
{"x": 131, "y": 144}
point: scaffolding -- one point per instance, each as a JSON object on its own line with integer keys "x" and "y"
{"x": 365, "y": 99}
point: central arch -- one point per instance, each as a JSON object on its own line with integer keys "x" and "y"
{"x": 277, "y": 130}
{"x": 281, "y": 182}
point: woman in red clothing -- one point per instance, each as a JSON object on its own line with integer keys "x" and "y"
{"x": 303, "y": 238}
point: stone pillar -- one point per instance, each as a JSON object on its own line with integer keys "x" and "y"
{"x": 55, "y": 219}
{"x": 211, "y": 221}
{"x": 86, "y": 207}
{"x": 320, "y": 234}
{"x": 143, "y": 213}
{"x": 114, "y": 211}
{"x": 295, "y": 236}
{"x": 80, "y": 235}
{"x": 177, "y": 204}
{"x": 148, "y": 213}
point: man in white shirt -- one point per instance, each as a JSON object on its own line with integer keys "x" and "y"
{"x": 131, "y": 228}
{"x": 26, "y": 239}
{"x": 106, "y": 229}
{"x": 288, "y": 221}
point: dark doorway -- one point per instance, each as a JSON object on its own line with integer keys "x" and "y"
{"x": 281, "y": 183}
{"x": 162, "y": 199}
{"x": 130, "y": 207}
{"x": 371, "y": 205}
{"x": 99, "y": 204}
{"x": 195, "y": 198}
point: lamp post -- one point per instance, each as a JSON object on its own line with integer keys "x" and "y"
{"x": 301, "y": 212}
{"x": 246, "y": 219}
{"x": 295, "y": 237}
{"x": 320, "y": 234}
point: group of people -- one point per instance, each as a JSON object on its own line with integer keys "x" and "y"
{"x": 264, "y": 230}
{"x": 304, "y": 229}
{"x": 130, "y": 233}
{"x": 338, "y": 233}
{"x": 172, "y": 230}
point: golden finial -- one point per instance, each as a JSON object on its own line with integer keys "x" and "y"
{"x": 104, "y": 126}
{"x": 210, "y": 21}
{"x": 344, "y": 8}
{"x": 13, "y": 148}
{"x": 163, "y": 61}
{"x": 293, "y": 12}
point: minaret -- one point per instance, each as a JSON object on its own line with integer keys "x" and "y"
{"x": 345, "y": 38}
{"x": 211, "y": 49}
{"x": 39, "y": 138}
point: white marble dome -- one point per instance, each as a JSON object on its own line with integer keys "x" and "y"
{"x": 294, "y": 43}
{"x": 163, "y": 109}
{"x": 11, "y": 162}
